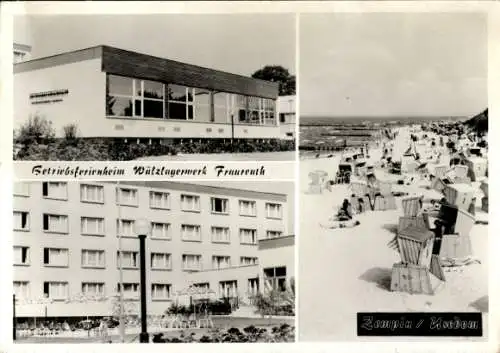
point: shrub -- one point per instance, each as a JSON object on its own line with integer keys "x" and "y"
{"x": 70, "y": 133}
{"x": 36, "y": 130}
{"x": 277, "y": 302}
{"x": 282, "y": 333}
{"x": 35, "y": 140}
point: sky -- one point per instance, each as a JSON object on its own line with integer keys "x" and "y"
{"x": 393, "y": 64}
{"x": 240, "y": 43}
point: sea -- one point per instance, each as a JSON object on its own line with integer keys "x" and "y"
{"x": 330, "y": 133}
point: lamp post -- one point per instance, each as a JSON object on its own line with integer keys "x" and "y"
{"x": 14, "y": 328}
{"x": 142, "y": 229}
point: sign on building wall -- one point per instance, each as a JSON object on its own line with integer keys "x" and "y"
{"x": 48, "y": 97}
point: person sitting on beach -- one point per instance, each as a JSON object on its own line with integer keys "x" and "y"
{"x": 345, "y": 211}
{"x": 343, "y": 218}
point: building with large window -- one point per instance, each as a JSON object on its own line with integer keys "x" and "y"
{"x": 71, "y": 239}
{"x": 114, "y": 93}
{"x": 287, "y": 116}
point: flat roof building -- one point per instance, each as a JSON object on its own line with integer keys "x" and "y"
{"x": 287, "y": 115}
{"x": 115, "y": 93}
{"x": 68, "y": 236}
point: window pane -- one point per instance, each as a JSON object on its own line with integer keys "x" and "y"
{"x": 241, "y": 101}
{"x": 176, "y": 93}
{"x": 253, "y": 103}
{"x": 220, "y": 114}
{"x": 153, "y": 109}
{"x": 120, "y": 85}
{"x": 253, "y": 115}
{"x": 190, "y": 112}
{"x": 221, "y": 99}
{"x": 190, "y": 95}
{"x": 138, "y": 107}
{"x": 242, "y": 115}
{"x": 153, "y": 90}
{"x": 177, "y": 111}
{"x": 280, "y": 271}
{"x": 202, "y": 105}
{"x": 118, "y": 106}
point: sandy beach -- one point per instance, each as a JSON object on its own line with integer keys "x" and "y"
{"x": 345, "y": 271}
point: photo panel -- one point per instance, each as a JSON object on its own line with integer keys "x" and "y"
{"x": 154, "y": 87}
{"x": 153, "y": 261}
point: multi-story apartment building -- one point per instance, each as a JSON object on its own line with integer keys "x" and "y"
{"x": 113, "y": 93}
{"x": 68, "y": 237}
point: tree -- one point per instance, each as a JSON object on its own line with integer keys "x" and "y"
{"x": 278, "y": 74}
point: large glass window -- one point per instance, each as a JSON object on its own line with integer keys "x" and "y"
{"x": 254, "y": 110}
{"x": 241, "y": 106}
{"x": 119, "y": 96}
{"x": 275, "y": 278}
{"x": 269, "y": 108}
{"x": 153, "y": 93}
{"x": 180, "y": 102}
{"x": 131, "y": 97}
{"x": 120, "y": 86}
{"x": 202, "y": 105}
{"x": 222, "y": 106}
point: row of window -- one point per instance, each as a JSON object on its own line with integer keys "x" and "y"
{"x": 128, "y": 97}
{"x": 157, "y": 199}
{"x": 60, "y": 290}
{"x": 59, "y": 257}
{"x": 159, "y": 291}
{"x": 125, "y": 228}
{"x": 275, "y": 278}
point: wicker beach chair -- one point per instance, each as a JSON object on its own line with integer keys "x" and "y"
{"x": 412, "y": 205}
{"x": 461, "y": 171}
{"x": 317, "y": 181}
{"x": 384, "y": 200}
{"x": 358, "y": 188}
{"x": 440, "y": 171}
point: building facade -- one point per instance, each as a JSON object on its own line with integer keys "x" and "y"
{"x": 287, "y": 115}
{"x": 114, "y": 93}
{"x": 69, "y": 240}
{"x": 21, "y": 52}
